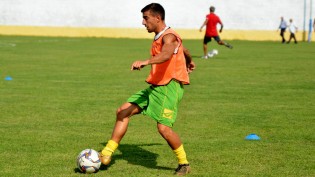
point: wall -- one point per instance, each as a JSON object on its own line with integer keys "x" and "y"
{"x": 241, "y": 18}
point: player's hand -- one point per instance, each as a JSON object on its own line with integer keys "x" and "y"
{"x": 191, "y": 67}
{"x": 137, "y": 65}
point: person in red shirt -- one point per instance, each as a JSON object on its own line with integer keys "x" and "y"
{"x": 211, "y": 31}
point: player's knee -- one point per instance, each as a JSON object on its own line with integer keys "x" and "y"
{"x": 164, "y": 131}
{"x": 127, "y": 110}
{"x": 122, "y": 111}
{"x": 118, "y": 111}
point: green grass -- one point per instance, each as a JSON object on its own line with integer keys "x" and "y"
{"x": 65, "y": 92}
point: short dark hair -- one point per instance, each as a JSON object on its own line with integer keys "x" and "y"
{"x": 212, "y": 8}
{"x": 156, "y": 9}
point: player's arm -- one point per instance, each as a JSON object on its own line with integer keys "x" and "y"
{"x": 221, "y": 28}
{"x": 204, "y": 24}
{"x": 189, "y": 63}
{"x": 279, "y": 27}
{"x": 169, "y": 45}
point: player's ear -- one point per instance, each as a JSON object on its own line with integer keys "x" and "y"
{"x": 158, "y": 18}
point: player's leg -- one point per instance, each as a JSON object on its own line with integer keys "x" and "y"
{"x": 206, "y": 39}
{"x": 175, "y": 143}
{"x": 135, "y": 104}
{"x": 123, "y": 115}
{"x": 205, "y": 48}
{"x": 220, "y": 42}
{"x": 163, "y": 108}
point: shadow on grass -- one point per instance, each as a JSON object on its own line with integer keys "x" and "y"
{"x": 77, "y": 170}
{"x": 136, "y": 155}
{"x": 196, "y": 56}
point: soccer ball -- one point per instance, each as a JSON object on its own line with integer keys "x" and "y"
{"x": 215, "y": 52}
{"x": 210, "y": 55}
{"x": 88, "y": 161}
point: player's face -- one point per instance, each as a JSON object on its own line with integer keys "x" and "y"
{"x": 149, "y": 21}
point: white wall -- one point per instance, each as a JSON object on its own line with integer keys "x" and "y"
{"x": 235, "y": 14}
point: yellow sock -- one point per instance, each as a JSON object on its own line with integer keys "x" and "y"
{"x": 181, "y": 155}
{"x": 110, "y": 147}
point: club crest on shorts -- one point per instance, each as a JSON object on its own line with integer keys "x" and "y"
{"x": 168, "y": 113}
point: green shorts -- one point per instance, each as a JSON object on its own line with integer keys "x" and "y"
{"x": 160, "y": 102}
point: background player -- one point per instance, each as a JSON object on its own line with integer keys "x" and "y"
{"x": 211, "y": 31}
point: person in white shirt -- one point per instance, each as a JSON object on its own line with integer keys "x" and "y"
{"x": 283, "y": 26}
{"x": 293, "y": 30}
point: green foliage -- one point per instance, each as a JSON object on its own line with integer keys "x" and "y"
{"x": 65, "y": 92}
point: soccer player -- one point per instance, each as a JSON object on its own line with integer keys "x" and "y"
{"x": 170, "y": 66}
{"x": 211, "y": 31}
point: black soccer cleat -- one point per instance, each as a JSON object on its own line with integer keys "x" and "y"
{"x": 229, "y": 45}
{"x": 182, "y": 169}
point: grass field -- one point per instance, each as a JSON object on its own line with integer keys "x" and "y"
{"x": 65, "y": 92}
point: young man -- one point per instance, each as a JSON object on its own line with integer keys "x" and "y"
{"x": 211, "y": 31}
{"x": 292, "y": 29}
{"x": 170, "y": 65}
{"x": 283, "y": 26}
